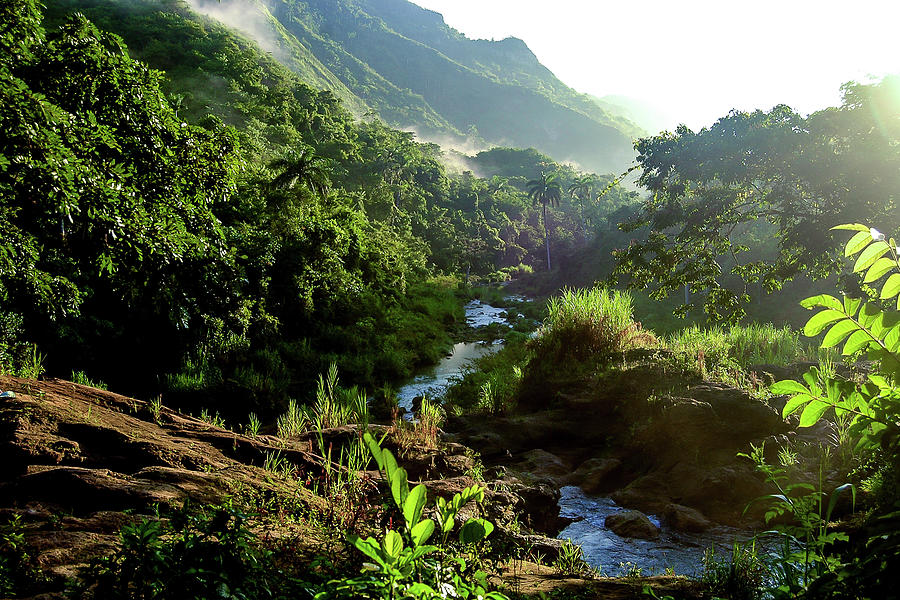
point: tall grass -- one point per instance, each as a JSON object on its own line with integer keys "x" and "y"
{"x": 584, "y": 323}
{"x": 334, "y": 407}
{"x": 744, "y": 344}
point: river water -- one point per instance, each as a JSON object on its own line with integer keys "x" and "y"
{"x": 614, "y": 555}
{"x": 434, "y": 381}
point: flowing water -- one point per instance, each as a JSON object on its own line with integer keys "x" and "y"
{"x": 614, "y": 555}
{"x": 434, "y": 381}
{"x": 602, "y": 548}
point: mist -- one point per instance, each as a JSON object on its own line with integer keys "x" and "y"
{"x": 250, "y": 18}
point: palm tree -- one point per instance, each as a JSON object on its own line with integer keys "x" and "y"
{"x": 545, "y": 190}
{"x": 581, "y": 190}
{"x": 304, "y": 166}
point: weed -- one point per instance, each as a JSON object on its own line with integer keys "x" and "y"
{"x": 584, "y": 323}
{"x": 214, "y": 420}
{"x": 155, "y": 406}
{"x": 294, "y": 421}
{"x": 570, "y": 560}
{"x": 81, "y": 378}
{"x": 738, "y": 577}
{"x": 253, "y": 426}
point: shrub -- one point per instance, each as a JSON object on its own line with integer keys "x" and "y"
{"x": 194, "y": 554}
{"x": 588, "y": 323}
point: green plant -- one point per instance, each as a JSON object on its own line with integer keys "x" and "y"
{"x": 869, "y": 409}
{"x": 740, "y": 576}
{"x": 155, "y": 406}
{"x": 207, "y": 553}
{"x": 402, "y": 566}
{"x": 570, "y": 560}
{"x": 17, "y": 573}
{"x": 806, "y": 540}
{"x": 81, "y": 377}
{"x": 294, "y": 421}
{"x": 253, "y": 425}
{"x": 582, "y": 323}
{"x": 33, "y": 365}
{"x": 213, "y": 420}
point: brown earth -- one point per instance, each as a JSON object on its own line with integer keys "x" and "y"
{"x": 80, "y": 462}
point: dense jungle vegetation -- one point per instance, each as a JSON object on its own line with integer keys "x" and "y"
{"x": 189, "y": 221}
{"x": 223, "y": 228}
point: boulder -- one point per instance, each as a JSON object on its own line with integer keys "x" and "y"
{"x": 633, "y": 524}
{"x": 544, "y": 465}
{"x": 595, "y": 475}
{"x": 683, "y": 518}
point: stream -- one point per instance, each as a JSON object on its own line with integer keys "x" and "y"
{"x": 614, "y": 555}
{"x": 434, "y": 381}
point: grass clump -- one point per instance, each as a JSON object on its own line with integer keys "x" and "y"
{"x": 588, "y": 323}
{"x": 743, "y": 344}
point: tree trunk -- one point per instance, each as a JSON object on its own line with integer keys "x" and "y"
{"x": 547, "y": 237}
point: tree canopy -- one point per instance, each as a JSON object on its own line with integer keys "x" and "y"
{"x": 774, "y": 174}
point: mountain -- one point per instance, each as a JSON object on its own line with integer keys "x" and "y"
{"x": 403, "y": 63}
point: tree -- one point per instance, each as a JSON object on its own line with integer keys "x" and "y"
{"x": 546, "y": 191}
{"x": 580, "y": 190}
{"x": 790, "y": 177}
{"x": 305, "y": 167}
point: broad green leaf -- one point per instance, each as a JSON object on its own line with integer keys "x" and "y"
{"x": 820, "y": 320}
{"x": 838, "y": 332}
{"x": 392, "y": 545}
{"x": 813, "y": 412}
{"x": 475, "y": 530}
{"x": 788, "y": 386}
{"x": 369, "y": 547}
{"x": 374, "y": 449}
{"x": 891, "y": 287}
{"x": 413, "y": 505}
{"x": 822, "y": 300}
{"x": 881, "y": 268}
{"x": 851, "y": 227}
{"x": 856, "y": 342}
{"x": 870, "y": 311}
{"x": 422, "y": 531}
{"x": 399, "y": 486}
{"x": 858, "y": 242}
{"x": 793, "y": 404}
{"x": 870, "y": 255}
{"x": 851, "y": 305}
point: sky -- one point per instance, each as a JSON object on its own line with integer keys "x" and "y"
{"x": 694, "y": 60}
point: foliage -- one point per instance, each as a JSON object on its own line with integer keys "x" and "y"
{"x": 587, "y": 323}
{"x": 18, "y": 574}
{"x": 863, "y": 325}
{"x": 207, "y": 553}
{"x": 403, "y": 564}
{"x": 741, "y": 576}
{"x": 758, "y": 175}
{"x": 570, "y": 560}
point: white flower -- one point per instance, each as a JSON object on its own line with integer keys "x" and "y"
{"x": 876, "y": 235}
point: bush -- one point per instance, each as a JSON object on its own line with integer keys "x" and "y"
{"x": 194, "y": 554}
{"x": 588, "y": 323}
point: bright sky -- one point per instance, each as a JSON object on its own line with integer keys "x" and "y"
{"x": 697, "y": 59}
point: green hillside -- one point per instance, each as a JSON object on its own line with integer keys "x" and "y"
{"x": 404, "y": 64}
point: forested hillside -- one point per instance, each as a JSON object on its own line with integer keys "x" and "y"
{"x": 224, "y": 228}
{"x": 402, "y": 62}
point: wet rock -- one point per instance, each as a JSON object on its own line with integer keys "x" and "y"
{"x": 633, "y": 524}
{"x": 684, "y": 518}
{"x": 595, "y": 475}
{"x": 544, "y": 465}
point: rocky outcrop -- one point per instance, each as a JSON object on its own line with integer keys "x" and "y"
{"x": 672, "y": 454}
{"x": 632, "y": 524}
